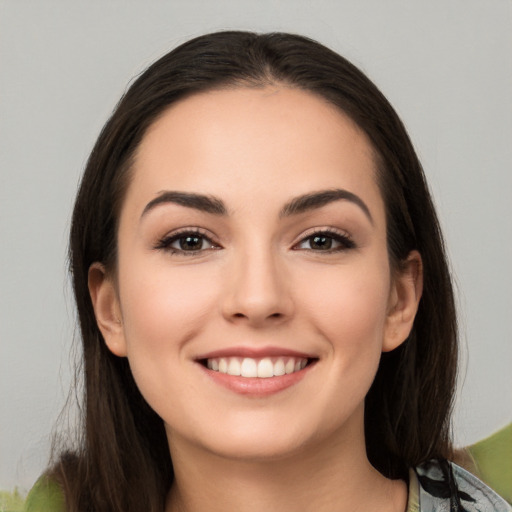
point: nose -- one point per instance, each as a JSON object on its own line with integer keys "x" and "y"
{"x": 258, "y": 290}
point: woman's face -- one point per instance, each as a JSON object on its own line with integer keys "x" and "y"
{"x": 252, "y": 242}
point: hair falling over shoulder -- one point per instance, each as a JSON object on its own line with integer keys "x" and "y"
{"x": 122, "y": 462}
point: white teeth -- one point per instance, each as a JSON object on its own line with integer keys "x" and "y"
{"x": 249, "y": 368}
{"x": 233, "y": 366}
{"x": 290, "y": 366}
{"x": 265, "y": 368}
{"x": 279, "y": 367}
{"x": 262, "y": 368}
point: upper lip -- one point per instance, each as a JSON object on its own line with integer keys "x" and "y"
{"x": 255, "y": 353}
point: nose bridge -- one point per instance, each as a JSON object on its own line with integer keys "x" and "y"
{"x": 258, "y": 290}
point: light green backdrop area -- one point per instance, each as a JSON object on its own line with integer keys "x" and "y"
{"x": 445, "y": 65}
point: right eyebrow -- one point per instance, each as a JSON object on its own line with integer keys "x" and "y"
{"x": 208, "y": 204}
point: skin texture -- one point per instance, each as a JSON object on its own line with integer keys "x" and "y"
{"x": 258, "y": 282}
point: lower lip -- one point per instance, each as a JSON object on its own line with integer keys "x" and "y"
{"x": 255, "y": 386}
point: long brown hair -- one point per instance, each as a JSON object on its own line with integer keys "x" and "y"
{"x": 123, "y": 461}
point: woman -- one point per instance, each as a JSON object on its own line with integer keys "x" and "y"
{"x": 265, "y": 305}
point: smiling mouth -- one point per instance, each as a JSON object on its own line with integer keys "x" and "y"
{"x": 262, "y": 368}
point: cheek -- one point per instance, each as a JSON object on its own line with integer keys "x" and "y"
{"x": 349, "y": 307}
{"x": 346, "y": 307}
{"x": 163, "y": 307}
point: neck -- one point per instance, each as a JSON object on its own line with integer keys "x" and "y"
{"x": 334, "y": 477}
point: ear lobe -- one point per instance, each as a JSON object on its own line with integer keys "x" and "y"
{"x": 106, "y": 309}
{"x": 405, "y": 296}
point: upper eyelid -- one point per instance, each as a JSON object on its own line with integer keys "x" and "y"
{"x": 328, "y": 230}
{"x": 171, "y": 236}
{"x": 189, "y": 230}
{"x": 340, "y": 235}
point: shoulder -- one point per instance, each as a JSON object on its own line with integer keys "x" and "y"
{"x": 45, "y": 496}
{"x": 446, "y": 486}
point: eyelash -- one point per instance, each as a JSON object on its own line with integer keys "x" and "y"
{"x": 345, "y": 241}
{"x": 165, "y": 243}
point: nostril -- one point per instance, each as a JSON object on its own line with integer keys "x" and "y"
{"x": 257, "y": 316}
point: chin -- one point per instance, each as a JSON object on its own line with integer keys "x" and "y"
{"x": 254, "y": 437}
{"x": 255, "y": 448}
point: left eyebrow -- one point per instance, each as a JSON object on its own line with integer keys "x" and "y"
{"x": 316, "y": 200}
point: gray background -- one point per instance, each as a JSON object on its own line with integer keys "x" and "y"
{"x": 445, "y": 65}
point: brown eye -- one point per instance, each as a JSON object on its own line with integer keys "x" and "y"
{"x": 186, "y": 242}
{"x": 189, "y": 243}
{"x": 320, "y": 242}
{"x": 326, "y": 241}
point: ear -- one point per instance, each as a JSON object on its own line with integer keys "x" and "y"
{"x": 106, "y": 309}
{"x": 405, "y": 296}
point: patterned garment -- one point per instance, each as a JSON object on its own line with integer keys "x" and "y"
{"x": 445, "y": 487}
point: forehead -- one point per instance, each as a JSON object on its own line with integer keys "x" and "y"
{"x": 275, "y": 140}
